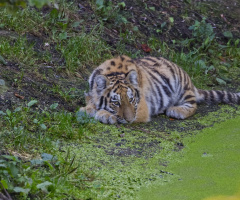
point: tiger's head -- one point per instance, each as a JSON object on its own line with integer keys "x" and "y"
{"x": 118, "y": 93}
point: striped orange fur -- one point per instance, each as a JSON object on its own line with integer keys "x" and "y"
{"x": 123, "y": 90}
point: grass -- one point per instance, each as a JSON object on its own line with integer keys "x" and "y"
{"x": 48, "y": 152}
{"x": 81, "y": 52}
{"x": 18, "y": 50}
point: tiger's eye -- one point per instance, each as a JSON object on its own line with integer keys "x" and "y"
{"x": 116, "y": 103}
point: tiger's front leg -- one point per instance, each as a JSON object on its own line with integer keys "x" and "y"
{"x": 90, "y": 108}
{"x": 105, "y": 117}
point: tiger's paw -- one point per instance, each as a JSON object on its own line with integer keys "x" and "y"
{"x": 175, "y": 112}
{"x": 90, "y": 111}
{"x": 105, "y": 117}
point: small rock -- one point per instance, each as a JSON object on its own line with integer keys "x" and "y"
{"x": 2, "y": 82}
{"x": 122, "y": 135}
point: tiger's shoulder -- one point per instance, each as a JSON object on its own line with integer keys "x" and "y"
{"x": 122, "y": 65}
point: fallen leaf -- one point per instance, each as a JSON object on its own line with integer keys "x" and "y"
{"x": 19, "y": 96}
{"x": 172, "y": 119}
{"x": 222, "y": 58}
{"x": 146, "y": 48}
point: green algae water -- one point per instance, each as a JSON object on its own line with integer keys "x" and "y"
{"x": 209, "y": 167}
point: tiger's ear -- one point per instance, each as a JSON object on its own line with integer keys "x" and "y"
{"x": 101, "y": 82}
{"x": 132, "y": 78}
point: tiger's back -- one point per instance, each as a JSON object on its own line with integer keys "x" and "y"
{"x": 125, "y": 90}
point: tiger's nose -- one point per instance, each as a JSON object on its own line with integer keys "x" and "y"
{"x": 128, "y": 114}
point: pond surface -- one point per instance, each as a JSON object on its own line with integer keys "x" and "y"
{"x": 210, "y": 167}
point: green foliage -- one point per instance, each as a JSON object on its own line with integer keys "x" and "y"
{"x": 14, "y": 4}
{"x": 45, "y": 177}
{"x": 39, "y": 3}
{"x": 228, "y": 34}
{"x": 202, "y": 30}
{"x": 207, "y": 54}
{"x": 108, "y": 11}
{"x": 27, "y": 127}
{"x": 203, "y": 36}
{"x": 22, "y": 124}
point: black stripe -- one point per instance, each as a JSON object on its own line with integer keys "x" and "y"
{"x": 230, "y": 99}
{"x": 152, "y": 88}
{"x": 159, "y": 92}
{"x": 220, "y": 95}
{"x": 137, "y": 93}
{"x": 184, "y": 77}
{"x": 105, "y": 106}
{"x": 115, "y": 74}
{"x": 115, "y": 88}
{"x": 173, "y": 73}
{"x": 131, "y": 61}
{"x": 108, "y": 95}
{"x": 180, "y": 75}
{"x": 157, "y": 96}
{"x": 101, "y": 102}
{"x": 120, "y": 66}
{"x": 211, "y": 94}
{"x": 205, "y": 94}
{"x": 188, "y": 97}
{"x": 156, "y": 80}
{"x": 191, "y": 102}
{"x": 186, "y": 87}
{"x": 188, "y": 106}
{"x": 160, "y": 96}
{"x": 150, "y": 59}
{"x": 180, "y": 97}
{"x": 164, "y": 78}
{"x": 167, "y": 91}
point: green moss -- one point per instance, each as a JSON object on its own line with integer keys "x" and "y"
{"x": 209, "y": 166}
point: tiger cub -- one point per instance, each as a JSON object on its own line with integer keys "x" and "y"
{"x": 123, "y": 90}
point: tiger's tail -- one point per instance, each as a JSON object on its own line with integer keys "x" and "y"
{"x": 217, "y": 96}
